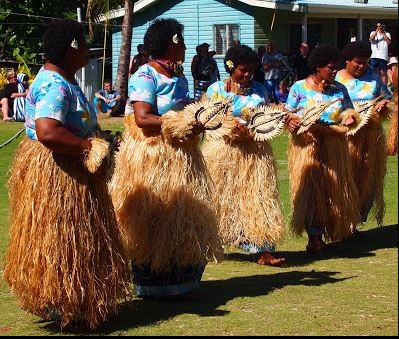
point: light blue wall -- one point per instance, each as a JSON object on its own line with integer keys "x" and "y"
{"x": 198, "y": 18}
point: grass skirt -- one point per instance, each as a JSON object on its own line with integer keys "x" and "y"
{"x": 323, "y": 192}
{"x": 244, "y": 173}
{"x": 369, "y": 155}
{"x": 65, "y": 252}
{"x": 392, "y": 146}
{"x": 162, "y": 199}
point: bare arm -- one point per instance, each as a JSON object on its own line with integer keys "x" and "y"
{"x": 145, "y": 117}
{"x": 53, "y": 134}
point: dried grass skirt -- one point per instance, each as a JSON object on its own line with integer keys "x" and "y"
{"x": 162, "y": 199}
{"x": 246, "y": 192}
{"x": 369, "y": 155}
{"x": 323, "y": 191}
{"x": 65, "y": 252}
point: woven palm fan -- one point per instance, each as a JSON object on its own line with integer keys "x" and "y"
{"x": 179, "y": 125}
{"x": 365, "y": 109}
{"x": 267, "y": 122}
{"x": 312, "y": 114}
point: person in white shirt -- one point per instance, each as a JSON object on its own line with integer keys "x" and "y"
{"x": 380, "y": 39}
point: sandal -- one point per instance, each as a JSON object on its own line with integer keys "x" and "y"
{"x": 266, "y": 258}
{"x": 9, "y": 119}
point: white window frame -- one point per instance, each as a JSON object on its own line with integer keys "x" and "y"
{"x": 227, "y": 42}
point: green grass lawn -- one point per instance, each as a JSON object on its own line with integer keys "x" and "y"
{"x": 351, "y": 290}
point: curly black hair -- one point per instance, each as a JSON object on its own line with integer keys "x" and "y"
{"x": 356, "y": 49}
{"x": 322, "y": 56}
{"x": 58, "y": 38}
{"x": 240, "y": 55}
{"x": 160, "y": 34}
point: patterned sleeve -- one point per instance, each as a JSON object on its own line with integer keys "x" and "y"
{"x": 293, "y": 98}
{"x": 346, "y": 102}
{"x": 383, "y": 89}
{"x": 142, "y": 86}
{"x": 213, "y": 92}
{"x": 53, "y": 101}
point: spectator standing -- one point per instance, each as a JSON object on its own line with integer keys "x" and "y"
{"x": 215, "y": 74}
{"x": 259, "y": 74}
{"x": 271, "y": 65}
{"x": 201, "y": 70}
{"x": 7, "y": 96}
{"x": 138, "y": 60}
{"x": 301, "y": 68}
{"x": 107, "y": 100}
{"x": 19, "y": 102}
{"x": 392, "y": 65}
{"x": 380, "y": 39}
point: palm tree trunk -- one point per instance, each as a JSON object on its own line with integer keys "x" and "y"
{"x": 124, "y": 55}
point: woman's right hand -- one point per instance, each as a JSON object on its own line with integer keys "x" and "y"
{"x": 292, "y": 121}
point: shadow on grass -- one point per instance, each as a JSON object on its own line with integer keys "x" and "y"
{"x": 362, "y": 246}
{"x": 206, "y": 301}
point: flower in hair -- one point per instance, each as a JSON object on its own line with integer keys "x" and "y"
{"x": 74, "y": 44}
{"x": 175, "y": 39}
{"x": 230, "y": 64}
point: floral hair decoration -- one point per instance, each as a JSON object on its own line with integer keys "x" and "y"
{"x": 74, "y": 44}
{"x": 230, "y": 64}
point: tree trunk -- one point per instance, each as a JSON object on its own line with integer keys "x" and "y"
{"x": 124, "y": 55}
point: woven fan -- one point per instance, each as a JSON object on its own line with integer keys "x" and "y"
{"x": 210, "y": 113}
{"x": 313, "y": 113}
{"x": 365, "y": 108}
{"x": 267, "y": 122}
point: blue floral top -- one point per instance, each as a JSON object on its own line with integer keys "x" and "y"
{"x": 240, "y": 103}
{"x": 163, "y": 93}
{"x": 301, "y": 95}
{"x": 367, "y": 87}
{"x": 52, "y": 96}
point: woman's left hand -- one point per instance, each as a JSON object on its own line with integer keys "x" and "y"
{"x": 198, "y": 128}
{"x": 380, "y": 105}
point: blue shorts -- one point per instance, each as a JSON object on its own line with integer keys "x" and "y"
{"x": 376, "y": 63}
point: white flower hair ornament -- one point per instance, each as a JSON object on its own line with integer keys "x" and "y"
{"x": 230, "y": 64}
{"x": 74, "y": 44}
{"x": 175, "y": 39}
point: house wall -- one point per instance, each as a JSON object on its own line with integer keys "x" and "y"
{"x": 198, "y": 18}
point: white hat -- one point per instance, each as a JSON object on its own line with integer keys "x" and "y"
{"x": 392, "y": 60}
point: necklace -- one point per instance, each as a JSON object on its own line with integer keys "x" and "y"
{"x": 235, "y": 87}
{"x": 175, "y": 68}
{"x": 323, "y": 86}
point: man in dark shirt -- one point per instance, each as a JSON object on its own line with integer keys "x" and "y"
{"x": 7, "y": 96}
{"x": 301, "y": 68}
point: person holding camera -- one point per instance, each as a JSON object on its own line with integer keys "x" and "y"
{"x": 380, "y": 39}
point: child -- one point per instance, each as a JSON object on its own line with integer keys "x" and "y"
{"x": 282, "y": 92}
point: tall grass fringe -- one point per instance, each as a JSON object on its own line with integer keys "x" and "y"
{"x": 323, "y": 191}
{"x": 162, "y": 197}
{"x": 369, "y": 155}
{"x": 392, "y": 146}
{"x": 246, "y": 194}
{"x": 65, "y": 251}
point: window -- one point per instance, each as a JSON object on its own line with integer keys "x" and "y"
{"x": 223, "y": 37}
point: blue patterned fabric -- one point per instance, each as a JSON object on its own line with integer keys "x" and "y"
{"x": 52, "y": 96}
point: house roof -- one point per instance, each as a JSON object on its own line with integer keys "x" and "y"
{"x": 307, "y": 6}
